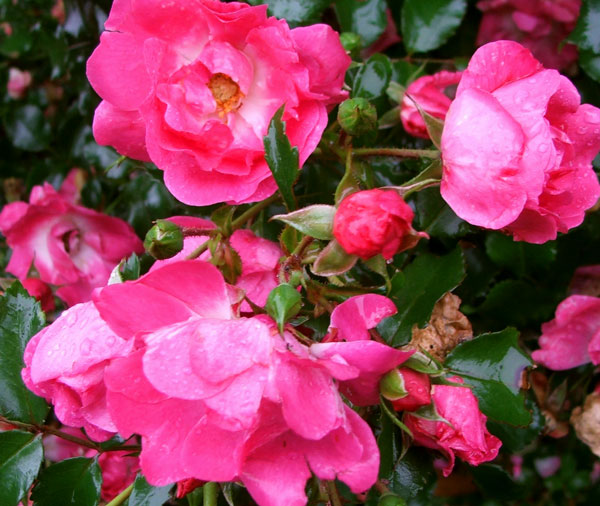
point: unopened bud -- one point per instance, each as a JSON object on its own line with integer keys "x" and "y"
{"x": 357, "y": 116}
{"x": 408, "y": 390}
{"x": 392, "y": 386}
{"x": 164, "y": 240}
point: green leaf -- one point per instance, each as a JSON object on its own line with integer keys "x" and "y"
{"x": 492, "y": 364}
{"x": 390, "y": 446}
{"x": 295, "y": 12}
{"x": 144, "y": 494}
{"x": 413, "y": 473}
{"x": 435, "y": 217}
{"x": 416, "y": 290}
{"x": 283, "y": 303}
{"x": 426, "y": 25}
{"x": 590, "y": 62}
{"x": 373, "y": 78}
{"x": 27, "y": 128}
{"x": 497, "y": 483}
{"x": 316, "y": 221}
{"x": 333, "y": 260}
{"x": 366, "y": 18}
{"x": 586, "y": 34}
{"x": 72, "y": 482}
{"x": 21, "y": 455}
{"x": 282, "y": 158}
{"x": 20, "y": 318}
{"x": 518, "y": 256}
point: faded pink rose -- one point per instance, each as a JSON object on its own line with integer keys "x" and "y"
{"x": 41, "y": 291}
{"x": 433, "y": 94}
{"x": 18, "y": 82}
{"x": 71, "y": 246}
{"x": 65, "y": 364}
{"x": 372, "y": 222}
{"x": 466, "y": 435}
{"x": 242, "y": 402}
{"x": 540, "y": 25}
{"x": 517, "y": 146}
{"x": 573, "y": 337}
{"x": 198, "y": 84}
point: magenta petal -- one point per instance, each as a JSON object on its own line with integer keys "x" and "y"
{"x": 354, "y": 317}
{"x": 274, "y": 475}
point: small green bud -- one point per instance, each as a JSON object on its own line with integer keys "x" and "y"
{"x": 351, "y": 42}
{"x": 392, "y": 386}
{"x": 391, "y": 500}
{"x": 164, "y": 240}
{"x": 283, "y": 304}
{"x": 357, "y": 116}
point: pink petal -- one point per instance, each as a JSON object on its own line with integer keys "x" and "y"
{"x": 354, "y": 317}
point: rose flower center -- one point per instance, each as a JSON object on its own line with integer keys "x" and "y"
{"x": 226, "y": 92}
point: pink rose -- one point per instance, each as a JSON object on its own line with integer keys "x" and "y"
{"x": 573, "y": 337}
{"x": 466, "y": 437}
{"x": 517, "y": 146}
{"x": 65, "y": 363}
{"x": 18, "y": 82}
{"x": 418, "y": 390}
{"x": 198, "y": 84}
{"x": 433, "y": 94}
{"x": 220, "y": 398}
{"x": 540, "y": 25}
{"x": 586, "y": 281}
{"x": 41, "y": 291}
{"x": 372, "y": 222}
{"x": 69, "y": 245}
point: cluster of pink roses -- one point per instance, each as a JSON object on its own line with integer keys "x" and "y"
{"x": 230, "y": 397}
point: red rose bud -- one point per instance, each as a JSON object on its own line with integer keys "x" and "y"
{"x": 184, "y": 487}
{"x": 408, "y": 390}
{"x": 41, "y": 291}
{"x": 371, "y": 222}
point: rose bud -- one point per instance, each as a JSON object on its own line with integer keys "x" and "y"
{"x": 164, "y": 240}
{"x": 374, "y": 222}
{"x": 408, "y": 390}
{"x": 357, "y": 116}
{"x": 41, "y": 291}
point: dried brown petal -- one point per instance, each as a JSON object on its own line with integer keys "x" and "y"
{"x": 447, "y": 328}
{"x": 586, "y": 421}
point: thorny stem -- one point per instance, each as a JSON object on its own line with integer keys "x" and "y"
{"x": 46, "y": 429}
{"x": 198, "y": 251}
{"x": 332, "y": 492}
{"x": 302, "y": 245}
{"x": 253, "y": 211}
{"x": 122, "y": 497}
{"x": 399, "y": 152}
{"x": 210, "y": 493}
{"x": 193, "y": 231}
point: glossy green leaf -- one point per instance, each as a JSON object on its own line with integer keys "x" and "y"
{"x": 21, "y": 455}
{"x": 282, "y": 158}
{"x": 435, "y": 217}
{"x": 413, "y": 473}
{"x": 72, "y": 482}
{"x": 27, "y": 128}
{"x": 20, "y": 318}
{"x": 416, "y": 290}
{"x": 426, "y": 25}
{"x": 518, "y": 256}
{"x": 144, "y": 494}
{"x": 493, "y": 364}
{"x": 590, "y": 62}
{"x": 373, "y": 78}
{"x": 283, "y": 303}
{"x": 586, "y": 34}
{"x": 366, "y": 18}
{"x": 295, "y": 12}
{"x": 333, "y": 260}
{"x": 497, "y": 483}
{"x": 316, "y": 221}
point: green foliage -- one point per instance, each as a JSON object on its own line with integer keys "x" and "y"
{"x": 20, "y": 459}
{"x": 20, "y": 318}
{"x": 144, "y": 494}
{"x": 365, "y": 18}
{"x": 72, "y": 482}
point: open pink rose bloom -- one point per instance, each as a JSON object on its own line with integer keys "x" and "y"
{"x": 517, "y": 146}
{"x": 71, "y": 246}
{"x": 198, "y": 84}
{"x": 214, "y": 396}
